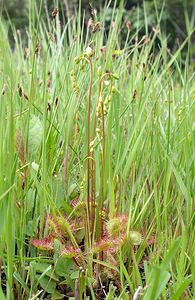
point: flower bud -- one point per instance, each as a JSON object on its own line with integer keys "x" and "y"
{"x": 106, "y": 82}
{"x": 88, "y": 52}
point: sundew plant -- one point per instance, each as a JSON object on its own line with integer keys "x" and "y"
{"x": 97, "y": 159}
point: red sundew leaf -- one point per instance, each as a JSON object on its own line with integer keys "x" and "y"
{"x": 54, "y": 13}
{"x": 151, "y": 241}
{"x": 104, "y": 244}
{"x": 119, "y": 240}
{"x": 46, "y": 244}
{"x": 54, "y": 226}
{"x": 123, "y": 219}
{"x": 63, "y": 224}
{"x": 75, "y": 201}
{"x": 70, "y": 252}
{"x": 117, "y": 226}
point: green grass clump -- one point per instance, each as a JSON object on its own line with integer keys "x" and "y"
{"x": 97, "y": 161}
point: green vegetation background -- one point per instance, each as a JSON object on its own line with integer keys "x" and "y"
{"x": 173, "y": 20}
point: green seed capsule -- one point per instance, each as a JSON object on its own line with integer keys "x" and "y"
{"x": 82, "y": 66}
{"x": 99, "y": 71}
{"x": 100, "y": 99}
{"x": 109, "y": 98}
{"x": 92, "y": 143}
{"x": 106, "y": 106}
{"x": 135, "y": 237}
{"x": 72, "y": 73}
{"x": 98, "y": 114}
{"x": 115, "y": 76}
{"x": 113, "y": 90}
{"x": 77, "y": 60}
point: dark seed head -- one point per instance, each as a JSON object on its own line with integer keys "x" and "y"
{"x": 37, "y": 47}
{"x": 128, "y": 24}
{"x": 25, "y": 96}
{"x": 48, "y": 106}
{"x": 54, "y": 13}
{"x": 134, "y": 94}
{"x": 3, "y": 90}
{"x": 96, "y": 27}
{"x": 56, "y": 101}
{"x": 20, "y": 92}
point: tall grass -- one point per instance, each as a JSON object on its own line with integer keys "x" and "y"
{"x": 137, "y": 169}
